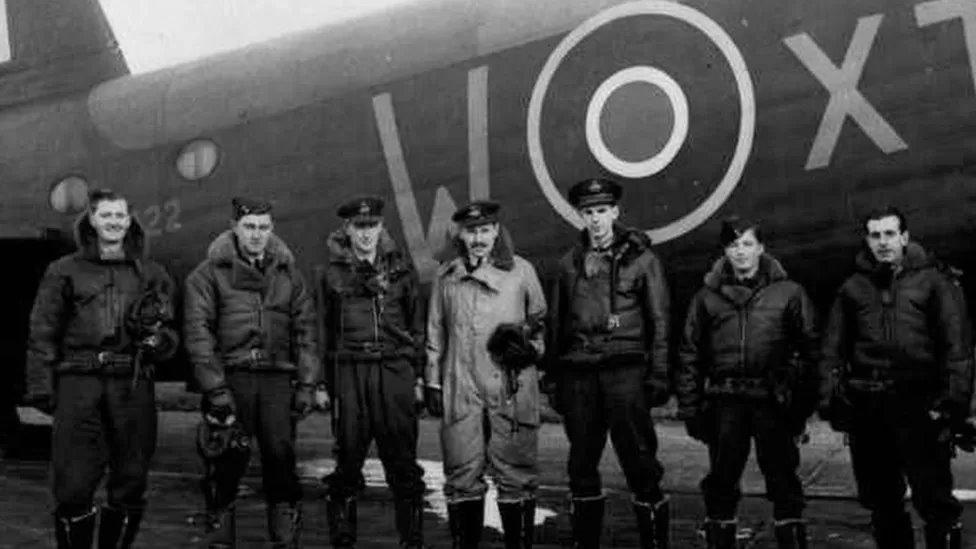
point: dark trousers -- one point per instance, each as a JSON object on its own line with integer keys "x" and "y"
{"x": 738, "y": 421}
{"x": 610, "y": 399}
{"x": 375, "y": 400}
{"x": 102, "y": 421}
{"x": 264, "y": 408}
{"x": 892, "y": 438}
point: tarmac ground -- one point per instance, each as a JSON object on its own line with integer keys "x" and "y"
{"x": 175, "y": 502}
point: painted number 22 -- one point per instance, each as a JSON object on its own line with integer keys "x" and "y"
{"x": 159, "y": 218}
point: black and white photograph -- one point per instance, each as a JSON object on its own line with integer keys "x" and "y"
{"x": 420, "y": 274}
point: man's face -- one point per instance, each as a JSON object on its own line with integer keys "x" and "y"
{"x": 253, "y": 232}
{"x": 479, "y": 240}
{"x": 886, "y": 240}
{"x": 744, "y": 252}
{"x": 364, "y": 235}
{"x": 599, "y": 219}
{"x": 111, "y": 220}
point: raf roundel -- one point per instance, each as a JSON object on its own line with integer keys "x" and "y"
{"x": 645, "y": 109}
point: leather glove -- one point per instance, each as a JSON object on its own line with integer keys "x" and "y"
{"x": 218, "y": 407}
{"x": 434, "y": 399}
{"x": 656, "y": 391}
{"x": 303, "y": 400}
{"x": 549, "y": 386}
{"x": 699, "y": 423}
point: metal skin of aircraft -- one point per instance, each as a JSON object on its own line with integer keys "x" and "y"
{"x": 801, "y": 113}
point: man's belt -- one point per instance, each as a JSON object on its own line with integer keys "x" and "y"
{"x": 108, "y": 362}
{"x": 862, "y": 385}
{"x": 751, "y": 387}
{"x": 255, "y": 359}
{"x": 369, "y": 350}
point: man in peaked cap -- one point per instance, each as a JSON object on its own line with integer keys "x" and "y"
{"x": 250, "y": 333}
{"x": 488, "y": 424}
{"x": 609, "y": 318}
{"x": 372, "y": 321}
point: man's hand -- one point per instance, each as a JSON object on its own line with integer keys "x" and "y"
{"x": 218, "y": 407}
{"x": 322, "y": 401}
{"x": 419, "y": 398}
{"x": 44, "y": 402}
{"x": 656, "y": 391}
{"x": 434, "y": 399}
{"x": 303, "y": 400}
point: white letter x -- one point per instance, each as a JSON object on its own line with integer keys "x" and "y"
{"x": 845, "y": 99}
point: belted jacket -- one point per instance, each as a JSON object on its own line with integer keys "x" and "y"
{"x": 82, "y": 321}
{"x": 370, "y": 311}
{"x": 762, "y": 332}
{"x": 909, "y": 326}
{"x": 240, "y": 316}
{"x": 611, "y": 308}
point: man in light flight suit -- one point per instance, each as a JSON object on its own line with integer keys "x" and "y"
{"x": 486, "y": 425}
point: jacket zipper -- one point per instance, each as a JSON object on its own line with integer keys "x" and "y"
{"x": 743, "y": 322}
{"x": 376, "y": 320}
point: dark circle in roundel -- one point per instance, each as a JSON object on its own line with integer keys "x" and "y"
{"x": 636, "y": 122}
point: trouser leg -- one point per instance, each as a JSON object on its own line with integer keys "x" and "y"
{"x": 727, "y": 454}
{"x": 586, "y": 428}
{"x": 353, "y": 437}
{"x": 878, "y": 472}
{"x": 632, "y": 430}
{"x": 927, "y": 463}
{"x": 276, "y": 437}
{"x": 131, "y": 432}
{"x": 78, "y": 446}
{"x": 778, "y": 459}
{"x": 393, "y": 417}
{"x": 464, "y": 448}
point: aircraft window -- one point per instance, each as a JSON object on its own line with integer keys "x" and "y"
{"x": 70, "y": 195}
{"x": 198, "y": 159}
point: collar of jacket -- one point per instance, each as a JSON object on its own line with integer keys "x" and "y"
{"x": 502, "y": 255}
{"x": 488, "y": 274}
{"x": 388, "y": 254}
{"x": 135, "y": 244}
{"x": 721, "y": 279}
{"x": 224, "y": 253}
{"x": 916, "y": 258}
{"x": 628, "y": 243}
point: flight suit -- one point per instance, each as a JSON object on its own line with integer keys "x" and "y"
{"x": 485, "y": 428}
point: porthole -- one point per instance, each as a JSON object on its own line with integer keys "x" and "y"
{"x": 70, "y": 195}
{"x": 198, "y": 159}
